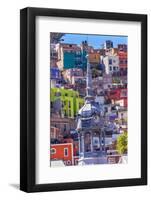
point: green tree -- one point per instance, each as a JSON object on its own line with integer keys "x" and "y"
{"x": 122, "y": 142}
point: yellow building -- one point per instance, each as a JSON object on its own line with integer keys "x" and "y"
{"x": 94, "y": 58}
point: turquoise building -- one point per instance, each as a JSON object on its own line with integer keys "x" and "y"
{"x": 76, "y": 59}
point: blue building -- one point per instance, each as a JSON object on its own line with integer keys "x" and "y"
{"x": 55, "y": 73}
{"x": 55, "y": 76}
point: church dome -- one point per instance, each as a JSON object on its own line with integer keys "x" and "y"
{"x": 89, "y": 109}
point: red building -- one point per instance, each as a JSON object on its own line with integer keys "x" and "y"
{"x": 76, "y": 159}
{"x": 62, "y": 152}
{"x": 119, "y": 94}
{"x": 122, "y": 53}
{"x": 75, "y": 145}
{"x": 122, "y": 60}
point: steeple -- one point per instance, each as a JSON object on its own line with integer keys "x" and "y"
{"x": 89, "y": 90}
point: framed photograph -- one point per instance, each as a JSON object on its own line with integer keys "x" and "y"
{"x": 83, "y": 99}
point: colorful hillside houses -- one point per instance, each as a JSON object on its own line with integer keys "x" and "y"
{"x": 88, "y": 100}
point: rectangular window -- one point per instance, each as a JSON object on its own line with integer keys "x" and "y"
{"x": 69, "y": 104}
{"x": 121, "y": 61}
{"x": 114, "y": 68}
{"x": 65, "y": 128}
{"x": 70, "y": 113}
{"x": 66, "y": 152}
{"x": 110, "y": 61}
{"x": 65, "y": 113}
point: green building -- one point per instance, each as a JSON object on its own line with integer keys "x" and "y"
{"x": 70, "y": 101}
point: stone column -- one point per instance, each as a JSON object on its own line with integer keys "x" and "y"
{"x": 91, "y": 136}
{"x": 82, "y": 144}
{"x": 79, "y": 139}
{"x": 100, "y": 139}
{"x": 103, "y": 133}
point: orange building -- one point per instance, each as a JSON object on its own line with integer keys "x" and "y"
{"x": 94, "y": 58}
{"x": 122, "y": 59}
{"x": 62, "y": 152}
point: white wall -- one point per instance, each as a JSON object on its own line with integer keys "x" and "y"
{"x": 9, "y": 99}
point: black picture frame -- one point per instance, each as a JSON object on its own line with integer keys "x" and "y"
{"x": 28, "y": 99}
